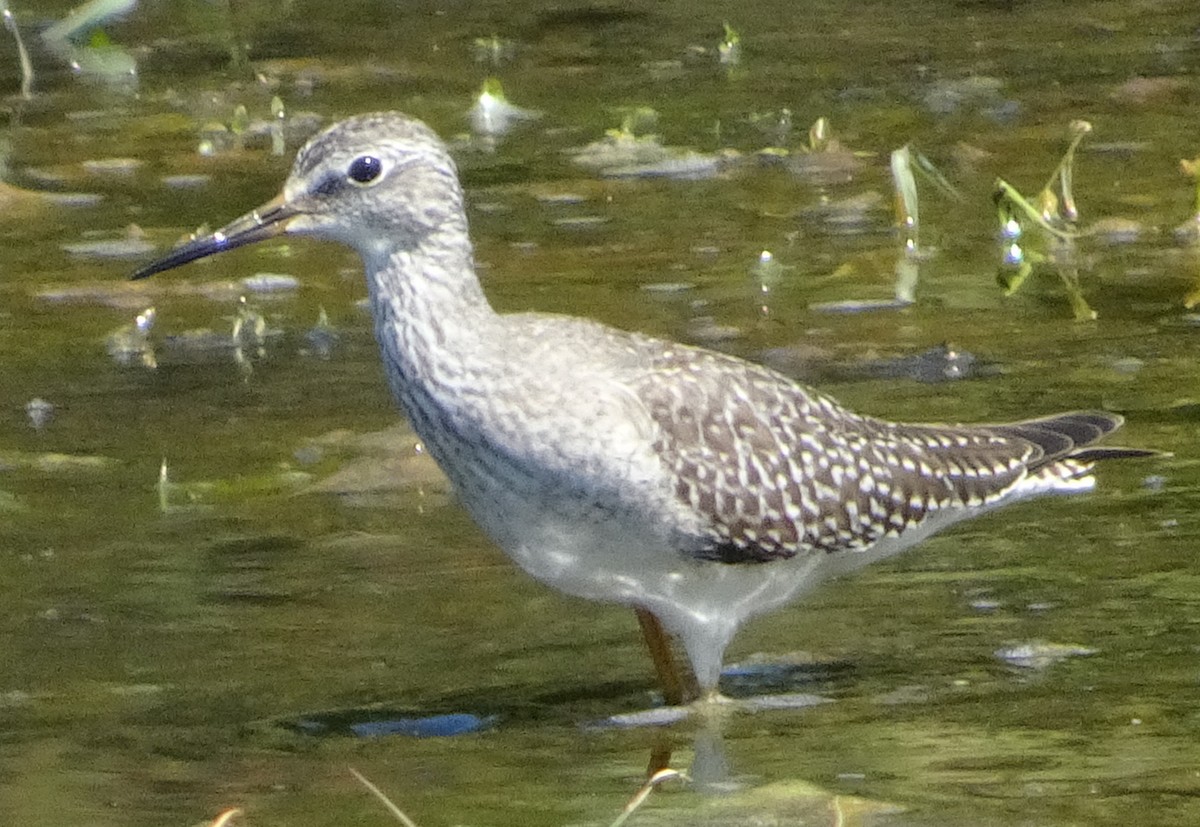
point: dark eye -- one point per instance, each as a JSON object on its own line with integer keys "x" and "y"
{"x": 365, "y": 169}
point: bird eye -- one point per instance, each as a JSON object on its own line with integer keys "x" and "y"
{"x": 365, "y": 169}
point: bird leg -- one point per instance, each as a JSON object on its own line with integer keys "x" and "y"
{"x": 677, "y": 688}
{"x": 660, "y": 754}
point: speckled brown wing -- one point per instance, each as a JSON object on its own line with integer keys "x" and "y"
{"x": 776, "y": 470}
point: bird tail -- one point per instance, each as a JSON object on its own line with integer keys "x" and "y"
{"x": 1069, "y": 439}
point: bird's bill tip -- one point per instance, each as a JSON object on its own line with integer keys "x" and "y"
{"x": 268, "y": 221}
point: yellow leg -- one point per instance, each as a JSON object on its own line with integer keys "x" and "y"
{"x": 660, "y": 754}
{"x": 677, "y": 688}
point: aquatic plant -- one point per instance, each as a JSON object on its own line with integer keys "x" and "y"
{"x": 10, "y": 23}
{"x": 1043, "y": 229}
{"x": 633, "y": 151}
{"x": 729, "y": 50}
{"x": 86, "y": 18}
{"x": 79, "y": 42}
{"x": 494, "y": 50}
{"x": 244, "y": 130}
{"x": 131, "y": 345}
{"x": 905, "y": 164}
{"x": 492, "y": 115}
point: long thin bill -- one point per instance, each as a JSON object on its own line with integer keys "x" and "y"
{"x": 267, "y": 221}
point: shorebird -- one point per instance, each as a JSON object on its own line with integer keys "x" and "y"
{"x": 696, "y": 487}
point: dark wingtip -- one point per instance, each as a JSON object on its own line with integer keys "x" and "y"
{"x": 1075, "y": 434}
{"x": 1117, "y": 452}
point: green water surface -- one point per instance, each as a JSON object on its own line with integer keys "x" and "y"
{"x": 171, "y": 650}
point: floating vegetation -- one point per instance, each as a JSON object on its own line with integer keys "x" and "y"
{"x": 630, "y": 143}
{"x": 130, "y": 345}
{"x": 217, "y": 137}
{"x": 493, "y": 50}
{"x": 978, "y": 93}
{"x": 493, "y": 116}
{"x": 1042, "y": 230}
{"x": 134, "y": 345}
{"x": 1039, "y": 654}
{"x": 322, "y": 338}
{"x": 242, "y": 131}
{"x": 851, "y": 215}
{"x": 249, "y": 335}
{"x": 729, "y": 50}
{"x": 776, "y": 126}
{"x": 40, "y": 412}
{"x": 249, "y": 326}
{"x": 624, "y": 153}
{"x": 824, "y": 160}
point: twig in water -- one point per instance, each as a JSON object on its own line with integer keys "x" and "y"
{"x": 387, "y": 802}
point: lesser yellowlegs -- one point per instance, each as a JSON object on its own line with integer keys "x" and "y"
{"x": 698, "y": 488}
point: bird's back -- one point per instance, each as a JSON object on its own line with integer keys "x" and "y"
{"x": 740, "y": 464}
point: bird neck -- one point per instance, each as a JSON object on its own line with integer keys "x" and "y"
{"x": 432, "y": 319}
{"x": 436, "y": 276}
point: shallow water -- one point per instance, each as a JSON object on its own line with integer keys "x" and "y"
{"x": 174, "y": 649}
